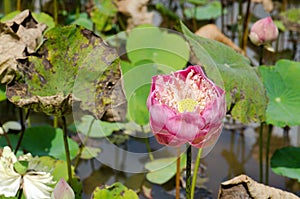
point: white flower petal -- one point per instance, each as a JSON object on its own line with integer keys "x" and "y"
{"x": 36, "y": 185}
{"x": 9, "y": 179}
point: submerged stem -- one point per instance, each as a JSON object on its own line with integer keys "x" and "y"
{"x": 65, "y": 136}
{"x": 188, "y": 171}
{"x": 197, "y": 164}
{"x": 267, "y": 153}
{"x": 178, "y": 174}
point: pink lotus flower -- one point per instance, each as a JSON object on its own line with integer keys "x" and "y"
{"x": 186, "y": 107}
{"x": 263, "y": 31}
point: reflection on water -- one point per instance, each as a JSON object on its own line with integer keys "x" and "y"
{"x": 236, "y": 152}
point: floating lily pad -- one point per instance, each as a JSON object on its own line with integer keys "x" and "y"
{"x": 160, "y": 47}
{"x": 48, "y": 141}
{"x": 89, "y": 152}
{"x": 231, "y": 70}
{"x": 208, "y": 11}
{"x": 286, "y": 162}
{"x": 282, "y": 83}
{"x": 115, "y": 191}
{"x": 94, "y": 128}
{"x": 73, "y": 67}
{"x": 162, "y": 170}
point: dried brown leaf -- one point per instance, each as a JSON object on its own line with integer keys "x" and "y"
{"x": 137, "y": 12}
{"x": 17, "y": 36}
{"x": 244, "y": 187}
{"x": 211, "y": 31}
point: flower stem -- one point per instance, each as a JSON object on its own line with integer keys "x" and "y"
{"x": 261, "y": 152}
{"x": 67, "y": 149}
{"x": 147, "y": 145}
{"x": 178, "y": 174}
{"x": 22, "y": 130}
{"x": 261, "y": 55}
{"x": 188, "y": 171}
{"x": 197, "y": 164}
{"x": 267, "y": 153}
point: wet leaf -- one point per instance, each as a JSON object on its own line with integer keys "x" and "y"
{"x": 94, "y": 128}
{"x": 282, "y": 84}
{"x": 48, "y": 141}
{"x": 162, "y": 170}
{"x": 20, "y": 34}
{"x": 230, "y": 70}
{"x": 286, "y": 162}
{"x": 209, "y": 11}
{"x": 158, "y": 47}
{"x": 115, "y": 191}
{"x": 73, "y": 67}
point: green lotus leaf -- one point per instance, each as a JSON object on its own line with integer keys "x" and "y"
{"x": 245, "y": 93}
{"x": 160, "y": 47}
{"x": 162, "y": 170}
{"x": 48, "y": 141}
{"x": 282, "y": 83}
{"x": 73, "y": 67}
{"x": 115, "y": 191}
{"x": 286, "y": 162}
{"x": 209, "y": 11}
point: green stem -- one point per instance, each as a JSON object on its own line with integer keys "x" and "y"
{"x": 20, "y": 193}
{"x": 267, "y": 153}
{"x": 188, "y": 171}
{"x": 261, "y": 152}
{"x": 7, "y": 6}
{"x": 197, "y": 164}
{"x": 19, "y": 5}
{"x": 178, "y": 174}
{"x": 22, "y": 130}
{"x": 55, "y": 11}
{"x": 245, "y": 26}
{"x": 147, "y": 145}
{"x": 261, "y": 55}
{"x": 55, "y": 121}
{"x": 83, "y": 144}
{"x": 65, "y": 136}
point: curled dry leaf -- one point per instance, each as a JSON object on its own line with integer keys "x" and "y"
{"x": 74, "y": 68}
{"x": 137, "y": 12}
{"x": 244, "y": 187}
{"x": 18, "y": 36}
{"x": 211, "y": 31}
{"x": 267, "y": 4}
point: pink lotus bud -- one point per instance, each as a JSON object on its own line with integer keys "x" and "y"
{"x": 186, "y": 107}
{"x": 62, "y": 190}
{"x": 263, "y": 31}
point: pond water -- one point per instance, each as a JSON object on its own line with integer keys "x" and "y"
{"x": 236, "y": 152}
